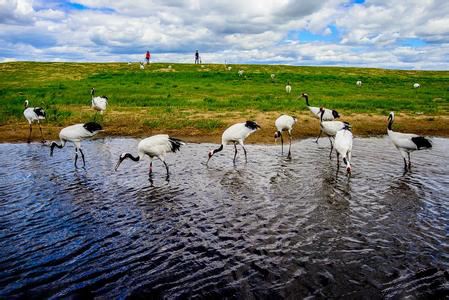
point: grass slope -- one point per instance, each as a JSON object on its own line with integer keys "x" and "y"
{"x": 209, "y": 97}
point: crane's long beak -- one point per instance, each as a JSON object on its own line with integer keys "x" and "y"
{"x": 118, "y": 163}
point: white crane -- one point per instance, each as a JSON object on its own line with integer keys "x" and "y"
{"x": 288, "y": 88}
{"x": 359, "y": 83}
{"x": 240, "y": 73}
{"x": 153, "y": 146}
{"x": 99, "y": 103}
{"x": 406, "y": 142}
{"x": 75, "y": 134}
{"x": 142, "y": 66}
{"x": 34, "y": 114}
{"x": 272, "y": 77}
{"x": 235, "y": 134}
{"x": 331, "y": 128}
{"x": 329, "y": 115}
{"x": 343, "y": 147}
{"x": 285, "y": 123}
{"x": 416, "y": 85}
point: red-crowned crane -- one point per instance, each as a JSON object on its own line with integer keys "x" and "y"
{"x": 406, "y": 142}
{"x": 34, "y": 114}
{"x": 99, "y": 103}
{"x": 343, "y": 147}
{"x": 285, "y": 123}
{"x": 331, "y": 128}
{"x": 329, "y": 115}
{"x": 153, "y": 146}
{"x": 235, "y": 134}
{"x": 75, "y": 134}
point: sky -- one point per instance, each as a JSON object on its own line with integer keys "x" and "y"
{"x": 399, "y": 34}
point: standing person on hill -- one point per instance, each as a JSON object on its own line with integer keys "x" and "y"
{"x": 197, "y": 57}
{"x": 147, "y": 57}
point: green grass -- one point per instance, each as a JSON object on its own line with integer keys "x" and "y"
{"x": 62, "y": 88}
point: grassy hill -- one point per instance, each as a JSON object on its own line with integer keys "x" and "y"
{"x": 203, "y": 99}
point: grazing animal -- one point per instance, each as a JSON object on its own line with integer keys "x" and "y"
{"x": 416, "y": 85}
{"x": 272, "y": 77}
{"x": 235, "y": 134}
{"x": 34, "y": 114}
{"x": 142, "y": 66}
{"x": 100, "y": 103}
{"x": 331, "y": 128}
{"x": 284, "y": 123}
{"x": 288, "y": 88}
{"x": 153, "y": 146}
{"x": 406, "y": 142}
{"x": 359, "y": 83}
{"x": 329, "y": 115}
{"x": 240, "y": 73}
{"x": 75, "y": 134}
{"x": 343, "y": 147}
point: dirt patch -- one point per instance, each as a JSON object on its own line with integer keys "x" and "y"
{"x": 129, "y": 123}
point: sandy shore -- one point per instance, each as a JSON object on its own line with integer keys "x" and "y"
{"x": 307, "y": 126}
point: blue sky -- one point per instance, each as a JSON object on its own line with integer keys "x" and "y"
{"x": 377, "y": 33}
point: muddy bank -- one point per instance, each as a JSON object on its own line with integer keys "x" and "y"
{"x": 121, "y": 125}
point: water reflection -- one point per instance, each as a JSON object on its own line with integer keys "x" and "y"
{"x": 269, "y": 228}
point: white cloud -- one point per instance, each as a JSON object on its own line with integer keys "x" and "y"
{"x": 254, "y": 31}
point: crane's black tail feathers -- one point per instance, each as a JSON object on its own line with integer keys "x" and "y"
{"x": 421, "y": 142}
{"x": 175, "y": 144}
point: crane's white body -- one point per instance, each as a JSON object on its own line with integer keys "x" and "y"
{"x": 240, "y": 73}
{"x": 154, "y": 146}
{"x": 272, "y": 76}
{"x": 343, "y": 147}
{"x": 416, "y": 85}
{"x": 31, "y": 115}
{"x": 329, "y": 115}
{"x": 142, "y": 67}
{"x": 288, "y": 88}
{"x": 359, "y": 83}
{"x": 236, "y": 134}
{"x": 99, "y": 104}
{"x": 34, "y": 114}
{"x": 75, "y": 134}
{"x": 285, "y": 123}
{"x": 406, "y": 142}
{"x": 332, "y": 127}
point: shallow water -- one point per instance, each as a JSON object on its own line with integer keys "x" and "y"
{"x": 269, "y": 228}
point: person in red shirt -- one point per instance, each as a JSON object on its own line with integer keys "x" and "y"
{"x": 147, "y": 57}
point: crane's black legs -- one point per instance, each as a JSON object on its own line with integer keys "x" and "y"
{"x": 289, "y": 156}
{"x": 332, "y": 147}
{"x": 150, "y": 172}
{"x": 168, "y": 172}
{"x": 338, "y": 161}
{"x": 409, "y": 161}
{"x": 76, "y": 157}
{"x": 29, "y": 136}
{"x": 42, "y": 135}
{"x": 318, "y": 136}
{"x": 244, "y": 150}
{"x": 282, "y": 144}
{"x": 82, "y": 156}
{"x": 235, "y": 153}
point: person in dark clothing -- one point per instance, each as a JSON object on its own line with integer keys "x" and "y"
{"x": 197, "y": 57}
{"x": 147, "y": 57}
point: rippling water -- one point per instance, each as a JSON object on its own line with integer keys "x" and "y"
{"x": 269, "y": 228}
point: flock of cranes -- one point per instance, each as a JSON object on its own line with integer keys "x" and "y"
{"x": 157, "y": 146}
